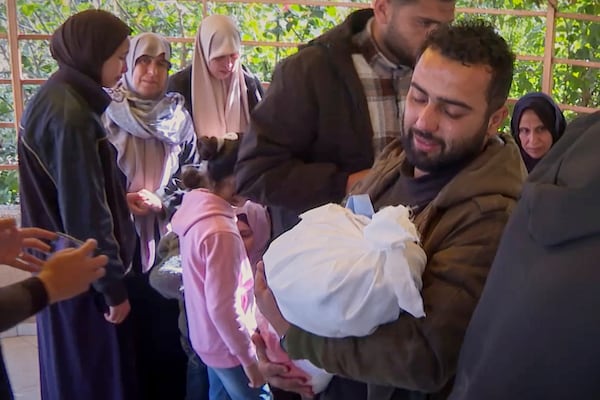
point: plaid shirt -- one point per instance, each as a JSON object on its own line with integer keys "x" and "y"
{"x": 386, "y": 85}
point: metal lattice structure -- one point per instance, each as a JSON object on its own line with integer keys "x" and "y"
{"x": 18, "y": 82}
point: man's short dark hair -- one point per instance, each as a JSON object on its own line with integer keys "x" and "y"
{"x": 476, "y": 42}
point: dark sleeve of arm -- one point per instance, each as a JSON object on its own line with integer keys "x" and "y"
{"x": 80, "y": 181}
{"x": 172, "y": 194}
{"x": 181, "y": 82}
{"x": 274, "y": 166}
{"x": 259, "y": 87}
{"x": 20, "y": 301}
{"x": 417, "y": 354}
{"x": 166, "y": 278}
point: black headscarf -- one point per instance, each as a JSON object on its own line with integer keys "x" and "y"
{"x": 86, "y": 40}
{"x": 547, "y": 111}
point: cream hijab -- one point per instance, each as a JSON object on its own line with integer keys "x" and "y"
{"x": 218, "y": 106}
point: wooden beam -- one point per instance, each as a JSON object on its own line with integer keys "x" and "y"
{"x": 313, "y": 3}
{"x": 204, "y": 8}
{"x": 15, "y": 60}
{"x": 577, "y": 109}
{"x": 580, "y": 17}
{"x": 547, "y": 67}
{"x": 496, "y": 11}
{"x": 578, "y": 63}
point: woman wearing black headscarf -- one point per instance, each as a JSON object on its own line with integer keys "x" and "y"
{"x": 70, "y": 182}
{"x": 536, "y": 124}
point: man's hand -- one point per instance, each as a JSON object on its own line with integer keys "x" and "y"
{"x": 70, "y": 272}
{"x": 14, "y": 242}
{"x": 275, "y": 373}
{"x": 117, "y": 314}
{"x": 266, "y": 301}
{"x": 354, "y": 178}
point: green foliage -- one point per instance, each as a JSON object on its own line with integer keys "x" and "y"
{"x": 9, "y": 187}
{"x": 8, "y": 146}
{"x": 6, "y": 103}
{"x": 290, "y": 25}
{"x": 3, "y": 16}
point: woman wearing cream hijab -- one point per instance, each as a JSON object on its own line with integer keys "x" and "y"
{"x": 219, "y": 92}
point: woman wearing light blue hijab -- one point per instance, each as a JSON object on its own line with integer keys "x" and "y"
{"x": 154, "y": 137}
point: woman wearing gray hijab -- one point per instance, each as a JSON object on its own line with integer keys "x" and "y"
{"x": 154, "y": 137}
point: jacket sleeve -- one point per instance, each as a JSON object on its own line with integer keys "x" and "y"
{"x": 166, "y": 276}
{"x": 418, "y": 354}
{"x": 79, "y": 174}
{"x": 20, "y": 301}
{"x": 224, "y": 255}
{"x": 181, "y": 82}
{"x": 172, "y": 194}
{"x": 274, "y": 166}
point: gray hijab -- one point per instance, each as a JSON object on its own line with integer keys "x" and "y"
{"x": 163, "y": 118}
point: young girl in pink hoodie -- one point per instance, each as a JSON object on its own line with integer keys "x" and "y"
{"x": 217, "y": 276}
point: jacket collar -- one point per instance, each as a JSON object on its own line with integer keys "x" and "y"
{"x": 89, "y": 90}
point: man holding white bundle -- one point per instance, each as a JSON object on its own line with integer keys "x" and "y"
{"x": 369, "y": 267}
{"x": 461, "y": 178}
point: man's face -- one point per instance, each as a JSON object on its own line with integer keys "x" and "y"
{"x": 446, "y": 117}
{"x": 406, "y": 26}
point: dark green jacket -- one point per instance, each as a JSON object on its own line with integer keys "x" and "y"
{"x": 460, "y": 229}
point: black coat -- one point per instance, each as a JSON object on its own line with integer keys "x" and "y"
{"x": 70, "y": 182}
{"x": 311, "y": 130}
{"x": 18, "y": 302}
{"x": 69, "y": 178}
{"x": 535, "y": 333}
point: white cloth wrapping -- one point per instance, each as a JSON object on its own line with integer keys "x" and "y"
{"x": 338, "y": 274}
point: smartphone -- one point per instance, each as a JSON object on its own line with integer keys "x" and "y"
{"x": 64, "y": 241}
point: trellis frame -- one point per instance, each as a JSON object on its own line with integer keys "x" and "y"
{"x": 548, "y": 60}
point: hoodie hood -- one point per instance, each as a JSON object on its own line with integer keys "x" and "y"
{"x": 498, "y": 170}
{"x": 338, "y": 35}
{"x": 562, "y": 192}
{"x": 260, "y": 224}
{"x": 199, "y": 205}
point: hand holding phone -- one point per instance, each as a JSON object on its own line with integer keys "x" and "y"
{"x": 64, "y": 241}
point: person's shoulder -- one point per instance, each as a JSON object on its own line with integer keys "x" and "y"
{"x": 59, "y": 103}
{"x": 180, "y": 78}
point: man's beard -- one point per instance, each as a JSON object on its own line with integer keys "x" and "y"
{"x": 460, "y": 153}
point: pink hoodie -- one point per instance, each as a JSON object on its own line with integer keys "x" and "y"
{"x": 217, "y": 279}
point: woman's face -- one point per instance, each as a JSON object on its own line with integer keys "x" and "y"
{"x": 114, "y": 68}
{"x": 246, "y": 234}
{"x": 535, "y": 138}
{"x": 150, "y": 76}
{"x": 222, "y": 67}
